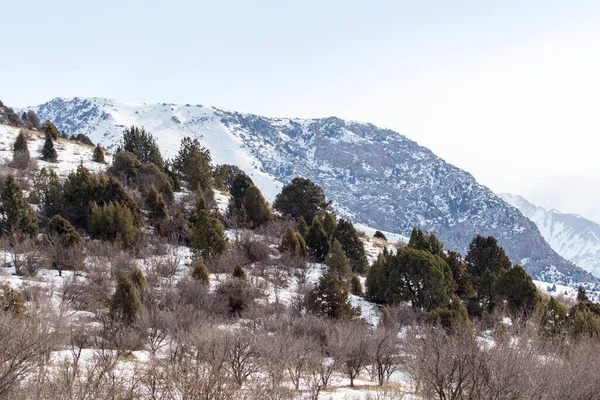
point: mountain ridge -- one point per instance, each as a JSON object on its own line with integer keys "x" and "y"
{"x": 374, "y": 176}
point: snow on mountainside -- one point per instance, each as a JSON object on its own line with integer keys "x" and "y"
{"x": 575, "y": 238}
{"x": 374, "y": 176}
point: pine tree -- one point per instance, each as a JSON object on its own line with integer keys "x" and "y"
{"x": 293, "y": 243}
{"x": 125, "y": 305}
{"x": 329, "y": 224}
{"x": 98, "y": 155}
{"x": 113, "y": 222}
{"x": 238, "y": 272}
{"x": 329, "y": 299}
{"x": 581, "y": 294}
{"x": 199, "y": 270}
{"x": 302, "y": 227}
{"x": 517, "y": 287}
{"x": 66, "y": 233}
{"x": 352, "y": 245}
{"x": 257, "y": 209}
{"x": 301, "y": 197}
{"x": 208, "y": 239}
{"x": 337, "y": 263}
{"x": 17, "y": 214}
{"x": 554, "y": 318}
{"x": 462, "y": 278}
{"x": 49, "y": 189}
{"x": 21, "y": 155}
{"x": 33, "y": 120}
{"x": 51, "y": 131}
{"x": 143, "y": 145}
{"x": 380, "y": 235}
{"x": 193, "y": 163}
{"x": 355, "y": 286}
{"x": 156, "y": 205}
{"x": 316, "y": 239}
{"x": 48, "y": 151}
{"x": 417, "y": 240}
{"x": 238, "y": 188}
{"x": 485, "y": 253}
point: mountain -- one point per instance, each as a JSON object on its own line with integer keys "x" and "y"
{"x": 575, "y": 238}
{"x": 376, "y": 177}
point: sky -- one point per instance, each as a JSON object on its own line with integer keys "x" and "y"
{"x": 507, "y": 90}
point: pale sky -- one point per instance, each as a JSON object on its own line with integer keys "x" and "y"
{"x": 507, "y": 90}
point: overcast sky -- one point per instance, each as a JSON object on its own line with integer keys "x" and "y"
{"x": 508, "y": 90}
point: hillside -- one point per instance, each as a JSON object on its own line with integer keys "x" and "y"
{"x": 572, "y": 236}
{"x": 375, "y": 176}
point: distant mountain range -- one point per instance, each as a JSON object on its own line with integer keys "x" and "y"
{"x": 376, "y": 177}
{"x": 575, "y": 238}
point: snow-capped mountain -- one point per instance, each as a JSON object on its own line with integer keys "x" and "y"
{"x": 374, "y": 176}
{"x": 575, "y": 238}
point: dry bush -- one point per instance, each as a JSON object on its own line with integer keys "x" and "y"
{"x": 254, "y": 248}
{"x": 274, "y": 231}
{"x": 25, "y": 254}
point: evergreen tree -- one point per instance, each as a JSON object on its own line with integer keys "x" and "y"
{"x": 485, "y": 253}
{"x": 581, "y": 294}
{"x": 125, "y": 305}
{"x": 418, "y": 240}
{"x": 143, "y": 145}
{"x": 301, "y": 197}
{"x": 62, "y": 229}
{"x": 337, "y": 263}
{"x": 16, "y": 214}
{"x": 49, "y": 189}
{"x": 355, "y": 286}
{"x": 11, "y": 301}
{"x": 554, "y": 318}
{"x": 21, "y": 155}
{"x": 517, "y": 287}
{"x": 156, "y": 205}
{"x": 113, "y": 222}
{"x": 585, "y": 323}
{"x": 352, "y": 245}
{"x": 302, "y": 227}
{"x": 48, "y": 151}
{"x": 329, "y": 224}
{"x": 464, "y": 288}
{"x": 380, "y": 235}
{"x": 98, "y": 155}
{"x": 225, "y": 174}
{"x": 51, "y": 131}
{"x": 238, "y": 188}
{"x": 256, "y": 207}
{"x": 199, "y": 270}
{"x": 329, "y": 299}
{"x": 193, "y": 163}
{"x": 316, "y": 239}
{"x": 208, "y": 239}
{"x": 451, "y": 317}
{"x": 238, "y": 272}
{"x": 33, "y": 120}
{"x": 293, "y": 243}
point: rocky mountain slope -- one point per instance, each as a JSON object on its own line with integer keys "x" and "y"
{"x": 374, "y": 176}
{"x": 575, "y": 238}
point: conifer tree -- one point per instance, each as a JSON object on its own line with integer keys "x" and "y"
{"x": 329, "y": 299}
{"x": 301, "y": 197}
{"x": 462, "y": 278}
{"x": 208, "y": 238}
{"x": 293, "y": 243}
{"x": 156, "y": 205}
{"x": 316, "y": 239}
{"x": 417, "y": 240}
{"x": 143, "y": 145}
{"x": 21, "y": 155}
{"x": 554, "y": 318}
{"x": 33, "y": 120}
{"x": 98, "y": 155}
{"x": 329, "y": 224}
{"x": 581, "y": 294}
{"x": 238, "y": 188}
{"x": 485, "y": 253}
{"x": 113, "y": 222}
{"x": 125, "y": 305}
{"x": 193, "y": 163}
{"x": 352, "y": 246}
{"x": 355, "y": 286}
{"x": 17, "y": 214}
{"x": 238, "y": 272}
{"x": 199, "y": 270}
{"x": 302, "y": 227}
{"x": 63, "y": 229}
{"x": 48, "y": 151}
{"x": 380, "y": 235}
{"x": 49, "y": 189}
{"x": 11, "y": 301}
{"x": 51, "y": 131}
{"x": 256, "y": 207}
{"x": 337, "y": 263}
{"x": 517, "y": 287}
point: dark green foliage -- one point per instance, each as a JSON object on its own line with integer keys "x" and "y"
{"x": 301, "y": 198}
{"x": 225, "y": 174}
{"x": 98, "y": 155}
{"x": 554, "y": 318}
{"x": 585, "y": 323}
{"x": 352, "y": 245}
{"x": 113, "y": 222}
{"x": 451, "y": 317}
{"x": 127, "y": 168}
{"x": 317, "y": 242}
{"x": 21, "y": 155}
{"x": 49, "y": 190}
{"x": 51, "y": 131}
{"x": 199, "y": 270}
{"x": 302, "y": 227}
{"x": 329, "y": 224}
{"x": 193, "y": 163}
{"x": 143, "y": 145}
{"x": 485, "y": 253}
{"x": 64, "y": 231}
{"x": 17, "y": 214}
{"x": 293, "y": 243}
{"x": 256, "y": 208}
{"x": 329, "y": 299}
{"x": 355, "y": 286}
{"x": 380, "y": 235}
{"x": 581, "y": 294}
{"x": 125, "y": 305}
{"x": 421, "y": 241}
{"x": 81, "y": 138}
{"x": 157, "y": 207}
{"x": 417, "y": 276}
{"x": 464, "y": 284}
{"x": 337, "y": 263}
{"x": 518, "y": 289}
{"x": 48, "y": 151}
{"x": 238, "y": 187}
{"x": 208, "y": 238}
{"x": 238, "y": 272}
